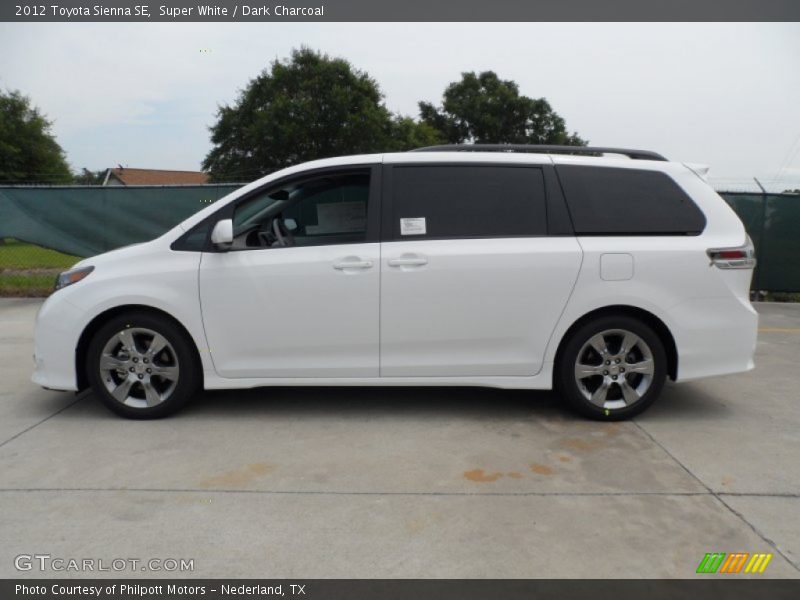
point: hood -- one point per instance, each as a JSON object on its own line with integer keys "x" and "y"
{"x": 120, "y": 253}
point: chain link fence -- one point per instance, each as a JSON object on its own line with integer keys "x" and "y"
{"x": 46, "y": 229}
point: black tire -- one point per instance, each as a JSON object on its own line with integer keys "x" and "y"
{"x": 177, "y": 392}
{"x": 565, "y": 378}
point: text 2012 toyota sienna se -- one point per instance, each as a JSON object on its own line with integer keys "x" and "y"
{"x": 595, "y": 275}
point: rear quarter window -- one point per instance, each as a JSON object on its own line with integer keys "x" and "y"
{"x": 608, "y": 201}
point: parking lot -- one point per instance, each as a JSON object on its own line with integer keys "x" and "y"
{"x": 406, "y": 482}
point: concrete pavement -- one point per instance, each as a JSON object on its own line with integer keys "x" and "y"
{"x": 372, "y": 482}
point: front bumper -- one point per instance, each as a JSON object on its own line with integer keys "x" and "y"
{"x": 58, "y": 327}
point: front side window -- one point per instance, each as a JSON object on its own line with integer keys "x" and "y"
{"x": 321, "y": 210}
{"x": 467, "y": 201}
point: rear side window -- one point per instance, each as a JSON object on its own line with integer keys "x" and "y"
{"x": 441, "y": 201}
{"x": 605, "y": 201}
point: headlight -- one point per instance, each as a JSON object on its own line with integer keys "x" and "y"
{"x": 72, "y": 276}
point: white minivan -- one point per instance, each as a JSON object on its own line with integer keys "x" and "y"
{"x": 595, "y": 271}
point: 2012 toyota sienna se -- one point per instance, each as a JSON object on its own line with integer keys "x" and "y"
{"x": 595, "y": 274}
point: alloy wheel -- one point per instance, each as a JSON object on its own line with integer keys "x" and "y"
{"x": 139, "y": 367}
{"x": 614, "y": 369}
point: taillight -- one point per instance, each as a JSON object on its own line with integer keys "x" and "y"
{"x": 740, "y": 257}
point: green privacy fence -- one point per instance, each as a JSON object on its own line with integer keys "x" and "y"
{"x": 45, "y": 229}
{"x": 773, "y": 222}
{"x": 84, "y": 221}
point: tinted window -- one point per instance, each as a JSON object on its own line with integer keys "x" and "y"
{"x": 467, "y": 201}
{"x": 327, "y": 209}
{"x": 336, "y": 209}
{"x": 627, "y": 201}
{"x": 195, "y": 240}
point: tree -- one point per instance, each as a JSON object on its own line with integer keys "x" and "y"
{"x": 407, "y": 134}
{"x": 482, "y": 108}
{"x": 310, "y": 106}
{"x": 87, "y": 177}
{"x": 28, "y": 151}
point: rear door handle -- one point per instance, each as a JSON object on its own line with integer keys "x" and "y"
{"x": 352, "y": 264}
{"x": 408, "y": 261}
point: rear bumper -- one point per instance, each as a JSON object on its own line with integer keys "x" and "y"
{"x": 58, "y": 327}
{"x": 714, "y": 336}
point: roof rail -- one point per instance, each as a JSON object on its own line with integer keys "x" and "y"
{"x": 542, "y": 149}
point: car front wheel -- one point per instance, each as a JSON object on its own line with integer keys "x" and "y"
{"x": 612, "y": 368}
{"x": 142, "y": 366}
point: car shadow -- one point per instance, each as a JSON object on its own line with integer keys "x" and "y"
{"x": 678, "y": 402}
{"x": 377, "y": 402}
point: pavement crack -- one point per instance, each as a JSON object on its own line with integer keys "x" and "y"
{"x": 758, "y": 532}
{"x": 718, "y": 497}
{"x": 760, "y": 494}
{"x": 349, "y": 493}
{"x": 47, "y": 418}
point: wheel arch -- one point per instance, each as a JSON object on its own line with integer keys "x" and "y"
{"x": 660, "y": 328}
{"x": 102, "y": 318}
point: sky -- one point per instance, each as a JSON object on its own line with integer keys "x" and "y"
{"x": 144, "y": 94}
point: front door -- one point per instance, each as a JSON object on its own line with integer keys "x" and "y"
{"x": 297, "y": 293}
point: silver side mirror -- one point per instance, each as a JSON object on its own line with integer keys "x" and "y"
{"x": 222, "y": 234}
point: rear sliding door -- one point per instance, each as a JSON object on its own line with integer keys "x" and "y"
{"x": 471, "y": 284}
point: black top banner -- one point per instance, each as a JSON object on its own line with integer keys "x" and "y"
{"x": 398, "y": 10}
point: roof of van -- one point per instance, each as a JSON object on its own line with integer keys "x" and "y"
{"x": 591, "y": 157}
{"x": 545, "y": 149}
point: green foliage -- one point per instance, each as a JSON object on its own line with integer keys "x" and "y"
{"x": 30, "y": 270}
{"x": 407, "y": 134}
{"x": 782, "y": 297}
{"x": 28, "y": 151}
{"x": 482, "y": 108}
{"x": 21, "y": 255}
{"x": 311, "y": 106}
{"x": 87, "y": 177}
{"x": 25, "y": 284}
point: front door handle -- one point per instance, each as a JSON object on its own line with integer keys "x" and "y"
{"x": 352, "y": 264}
{"x": 408, "y": 261}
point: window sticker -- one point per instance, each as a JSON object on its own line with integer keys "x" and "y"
{"x": 413, "y": 226}
{"x": 339, "y": 217}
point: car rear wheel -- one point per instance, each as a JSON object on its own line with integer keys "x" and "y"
{"x": 142, "y": 366}
{"x": 612, "y": 368}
